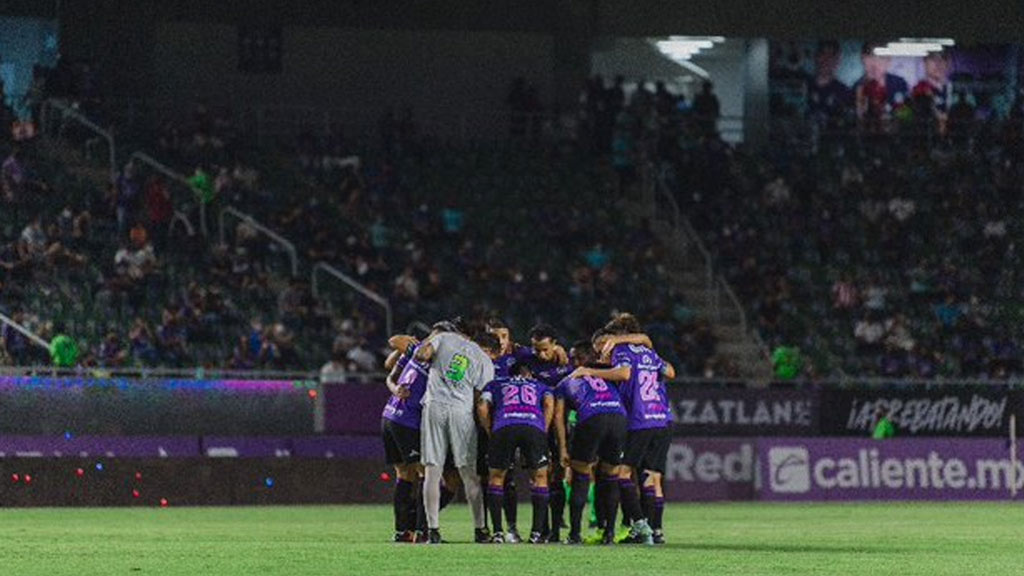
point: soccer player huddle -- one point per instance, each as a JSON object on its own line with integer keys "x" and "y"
{"x": 591, "y": 425}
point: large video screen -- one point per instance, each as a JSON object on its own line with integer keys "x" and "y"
{"x": 850, "y": 79}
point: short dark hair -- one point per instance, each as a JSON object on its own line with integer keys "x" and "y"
{"x": 582, "y": 351}
{"x": 495, "y": 323}
{"x": 521, "y": 369}
{"x": 830, "y": 46}
{"x": 624, "y": 323}
{"x": 444, "y": 326}
{"x": 489, "y": 342}
{"x": 418, "y": 331}
{"x": 542, "y": 331}
{"x": 869, "y": 47}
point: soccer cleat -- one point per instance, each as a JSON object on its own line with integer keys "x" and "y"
{"x": 623, "y": 535}
{"x": 574, "y": 540}
{"x": 398, "y": 537}
{"x": 554, "y": 537}
{"x": 405, "y": 537}
{"x": 420, "y": 537}
{"x": 512, "y": 536}
{"x": 608, "y": 538}
{"x": 482, "y": 536}
{"x": 596, "y": 537}
{"x": 537, "y": 538}
{"x": 434, "y": 536}
{"x": 659, "y": 537}
{"x": 498, "y": 538}
{"x": 641, "y": 533}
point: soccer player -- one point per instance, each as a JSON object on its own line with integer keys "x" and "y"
{"x": 549, "y": 365}
{"x": 517, "y": 412}
{"x": 600, "y": 433}
{"x": 459, "y": 370}
{"x": 640, "y": 374}
{"x": 400, "y": 428}
{"x": 546, "y": 355}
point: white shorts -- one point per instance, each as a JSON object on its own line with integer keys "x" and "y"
{"x": 445, "y": 428}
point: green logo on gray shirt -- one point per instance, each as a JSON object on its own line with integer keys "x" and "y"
{"x": 457, "y": 368}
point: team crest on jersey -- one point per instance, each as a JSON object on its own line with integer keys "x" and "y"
{"x": 457, "y": 368}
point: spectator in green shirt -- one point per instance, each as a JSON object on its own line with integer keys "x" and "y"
{"x": 202, "y": 185}
{"x": 786, "y": 362}
{"x": 63, "y": 350}
{"x": 884, "y": 427}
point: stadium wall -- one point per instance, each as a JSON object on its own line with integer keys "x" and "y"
{"x": 254, "y": 471}
{"x": 435, "y": 72}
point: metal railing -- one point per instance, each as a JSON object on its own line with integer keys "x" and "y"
{"x": 32, "y": 336}
{"x": 289, "y": 248}
{"x": 54, "y": 116}
{"x": 715, "y": 284}
{"x": 323, "y": 267}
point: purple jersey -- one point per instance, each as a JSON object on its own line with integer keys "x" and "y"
{"x": 644, "y": 394}
{"x": 504, "y": 364}
{"x": 516, "y": 401}
{"x": 590, "y": 397}
{"x": 549, "y": 373}
{"x": 413, "y": 375}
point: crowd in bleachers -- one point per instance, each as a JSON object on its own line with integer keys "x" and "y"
{"x": 530, "y": 232}
{"x": 891, "y": 255}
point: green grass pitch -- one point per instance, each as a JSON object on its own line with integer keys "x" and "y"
{"x": 905, "y": 539}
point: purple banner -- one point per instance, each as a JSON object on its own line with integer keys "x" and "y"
{"x": 99, "y": 446}
{"x": 343, "y": 447}
{"x": 801, "y": 469}
{"x": 709, "y": 469}
{"x": 354, "y": 408}
{"x": 713, "y": 411}
{"x": 246, "y": 447}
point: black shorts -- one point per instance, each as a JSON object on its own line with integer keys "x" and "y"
{"x": 600, "y": 437}
{"x": 401, "y": 443}
{"x": 648, "y": 449}
{"x": 531, "y": 443}
{"x": 482, "y": 442}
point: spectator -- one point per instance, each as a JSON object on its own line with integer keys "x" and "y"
{"x": 128, "y": 193}
{"x": 63, "y": 349}
{"x": 334, "y": 372}
{"x": 706, "y": 108}
{"x": 159, "y": 209}
{"x": 13, "y": 177}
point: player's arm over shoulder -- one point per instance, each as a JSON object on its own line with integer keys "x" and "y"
{"x": 668, "y": 370}
{"x": 430, "y": 347}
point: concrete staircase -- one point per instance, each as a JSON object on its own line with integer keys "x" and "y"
{"x": 705, "y": 291}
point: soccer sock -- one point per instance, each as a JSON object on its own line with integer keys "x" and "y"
{"x": 557, "y": 505}
{"x": 511, "y": 501}
{"x": 540, "y": 496}
{"x": 495, "y": 501}
{"x": 421, "y": 514}
{"x": 630, "y": 500}
{"x": 599, "y": 501}
{"x": 647, "y": 503}
{"x": 590, "y": 502}
{"x": 580, "y": 487}
{"x": 474, "y": 495}
{"x": 610, "y": 495}
{"x": 432, "y": 496}
{"x": 412, "y": 506}
{"x": 659, "y": 512}
{"x": 402, "y": 497}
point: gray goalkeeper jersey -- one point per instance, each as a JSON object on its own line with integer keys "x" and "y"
{"x": 458, "y": 368}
